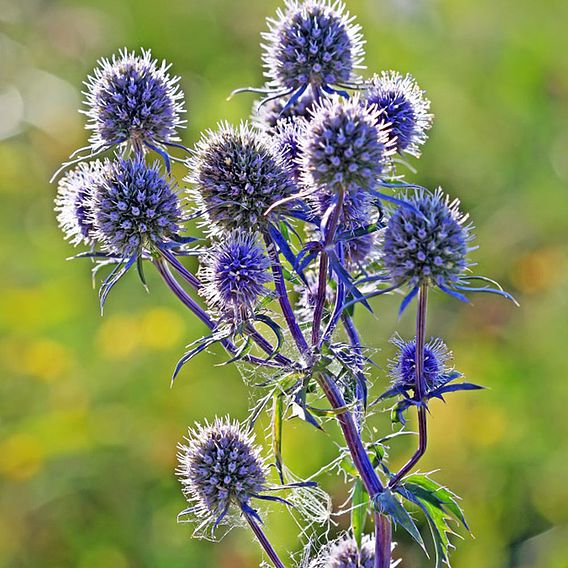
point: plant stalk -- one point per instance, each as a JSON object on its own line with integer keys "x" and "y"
{"x": 263, "y": 540}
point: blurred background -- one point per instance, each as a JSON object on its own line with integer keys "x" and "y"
{"x": 88, "y": 423}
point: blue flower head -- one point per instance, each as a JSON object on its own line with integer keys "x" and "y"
{"x": 131, "y": 98}
{"x": 72, "y": 202}
{"x": 219, "y": 468}
{"x": 404, "y": 107}
{"x": 312, "y": 42}
{"x": 402, "y": 368}
{"x": 427, "y": 243}
{"x": 346, "y": 145}
{"x": 237, "y": 176}
{"x": 287, "y": 138}
{"x": 134, "y": 208}
{"x": 234, "y": 272}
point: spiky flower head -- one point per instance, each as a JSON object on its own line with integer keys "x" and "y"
{"x": 287, "y": 138}
{"x": 402, "y": 368}
{"x": 403, "y": 105}
{"x": 267, "y": 115}
{"x": 133, "y": 98}
{"x": 72, "y": 202}
{"x": 346, "y": 145}
{"x": 234, "y": 272}
{"x": 343, "y": 553}
{"x": 219, "y": 466}
{"x": 426, "y": 242}
{"x": 237, "y": 176}
{"x": 312, "y": 42}
{"x": 134, "y": 207}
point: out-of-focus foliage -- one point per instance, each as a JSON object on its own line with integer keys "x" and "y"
{"x": 88, "y": 423}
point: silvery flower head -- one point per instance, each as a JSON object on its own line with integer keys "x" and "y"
{"x": 132, "y": 98}
{"x": 404, "y": 107}
{"x": 134, "y": 208}
{"x": 427, "y": 243}
{"x": 234, "y": 272}
{"x": 402, "y": 368}
{"x": 346, "y": 145}
{"x": 72, "y": 202}
{"x": 219, "y": 468}
{"x": 312, "y": 43}
{"x": 344, "y": 553}
{"x": 237, "y": 176}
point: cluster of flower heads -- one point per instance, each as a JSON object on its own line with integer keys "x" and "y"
{"x": 305, "y": 197}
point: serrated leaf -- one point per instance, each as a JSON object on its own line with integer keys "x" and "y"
{"x": 388, "y": 504}
{"x": 359, "y": 511}
{"x": 428, "y": 489}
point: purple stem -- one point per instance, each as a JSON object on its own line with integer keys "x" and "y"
{"x": 420, "y": 387}
{"x": 383, "y": 541}
{"x": 263, "y": 540}
{"x": 282, "y": 293}
{"x": 359, "y": 456}
{"x": 324, "y": 265}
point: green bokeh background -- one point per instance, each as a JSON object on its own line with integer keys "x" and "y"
{"x": 88, "y": 423}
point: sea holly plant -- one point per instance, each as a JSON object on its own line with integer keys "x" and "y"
{"x": 304, "y": 219}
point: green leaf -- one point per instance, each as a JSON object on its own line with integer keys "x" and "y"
{"x": 359, "y": 511}
{"x": 426, "y": 488}
{"x": 388, "y": 504}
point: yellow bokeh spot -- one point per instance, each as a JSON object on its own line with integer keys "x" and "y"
{"x": 46, "y": 360}
{"x": 539, "y": 270}
{"x": 22, "y": 456}
{"x": 119, "y": 336}
{"x": 161, "y": 328}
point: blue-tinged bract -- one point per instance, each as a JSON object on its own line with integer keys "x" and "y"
{"x": 220, "y": 467}
{"x": 132, "y": 98}
{"x": 427, "y": 243}
{"x": 72, "y": 202}
{"x": 402, "y": 368}
{"x": 134, "y": 208}
{"x": 312, "y": 43}
{"x": 237, "y": 176}
{"x": 267, "y": 115}
{"x": 404, "y": 107}
{"x": 346, "y": 145}
{"x": 234, "y": 272}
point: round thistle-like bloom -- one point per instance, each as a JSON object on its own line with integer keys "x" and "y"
{"x": 270, "y": 113}
{"x": 287, "y": 138}
{"x": 402, "y": 368}
{"x": 234, "y": 273}
{"x": 218, "y": 467}
{"x": 133, "y": 98}
{"x": 312, "y": 42}
{"x": 404, "y": 107}
{"x": 343, "y": 553}
{"x": 346, "y": 145}
{"x": 72, "y": 202}
{"x": 134, "y": 207}
{"x": 427, "y": 244}
{"x": 237, "y": 176}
